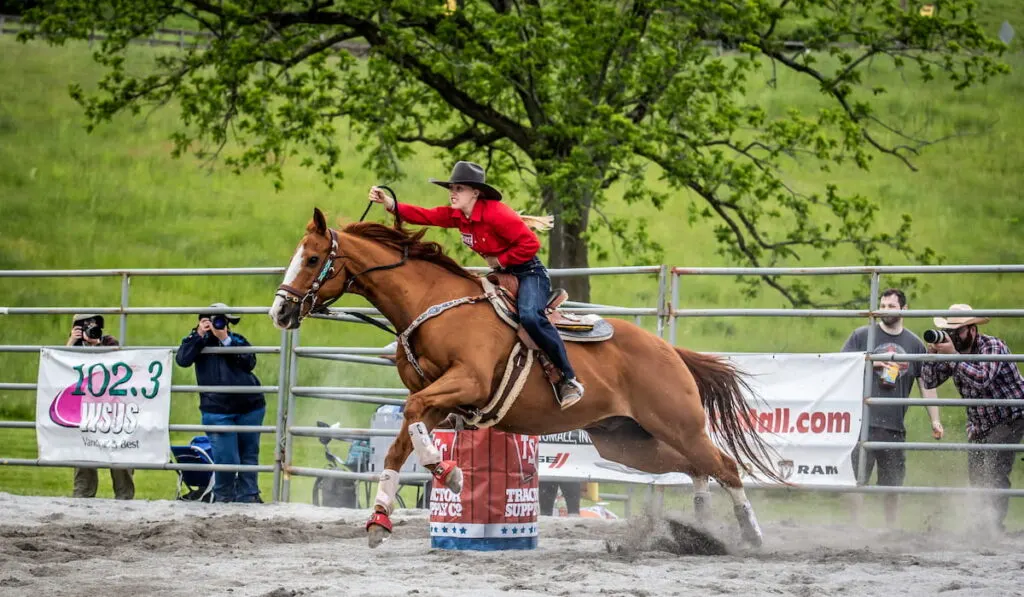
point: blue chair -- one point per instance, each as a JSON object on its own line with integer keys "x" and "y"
{"x": 198, "y": 483}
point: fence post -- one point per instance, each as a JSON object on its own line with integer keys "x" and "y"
{"x": 662, "y": 282}
{"x": 869, "y": 376}
{"x": 123, "y": 334}
{"x": 283, "y": 387}
{"x": 181, "y": 39}
{"x": 672, "y": 306}
{"x": 293, "y": 375}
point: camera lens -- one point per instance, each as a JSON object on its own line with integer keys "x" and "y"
{"x": 934, "y": 336}
{"x": 220, "y": 322}
{"x": 92, "y": 332}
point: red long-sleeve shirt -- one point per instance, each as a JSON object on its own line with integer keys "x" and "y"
{"x": 492, "y": 230}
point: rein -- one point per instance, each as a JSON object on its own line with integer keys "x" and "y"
{"x": 328, "y": 272}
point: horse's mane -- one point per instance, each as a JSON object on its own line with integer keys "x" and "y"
{"x": 399, "y": 238}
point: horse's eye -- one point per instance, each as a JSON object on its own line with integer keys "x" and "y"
{"x": 313, "y": 260}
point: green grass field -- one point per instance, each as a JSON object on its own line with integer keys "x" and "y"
{"x": 114, "y": 198}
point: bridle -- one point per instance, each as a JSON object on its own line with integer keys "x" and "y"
{"x": 328, "y": 272}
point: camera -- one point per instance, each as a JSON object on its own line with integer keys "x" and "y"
{"x": 935, "y": 336}
{"x": 91, "y": 330}
{"x": 219, "y": 322}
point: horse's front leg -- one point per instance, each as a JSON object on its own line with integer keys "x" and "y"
{"x": 423, "y": 411}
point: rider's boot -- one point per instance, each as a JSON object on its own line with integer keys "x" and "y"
{"x": 569, "y": 392}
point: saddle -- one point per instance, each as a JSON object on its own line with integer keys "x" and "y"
{"x": 507, "y": 289}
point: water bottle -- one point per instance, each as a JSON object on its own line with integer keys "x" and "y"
{"x": 561, "y": 508}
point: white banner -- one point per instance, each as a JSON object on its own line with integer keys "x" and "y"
{"x": 809, "y": 412}
{"x": 111, "y": 407}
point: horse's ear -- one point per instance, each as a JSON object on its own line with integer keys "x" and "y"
{"x": 319, "y": 222}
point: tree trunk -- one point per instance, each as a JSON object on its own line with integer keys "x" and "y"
{"x": 569, "y": 249}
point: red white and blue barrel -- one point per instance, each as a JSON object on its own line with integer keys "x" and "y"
{"x": 498, "y": 506}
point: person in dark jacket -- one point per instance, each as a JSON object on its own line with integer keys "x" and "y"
{"x": 223, "y": 408}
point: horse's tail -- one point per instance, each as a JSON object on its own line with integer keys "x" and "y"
{"x": 721, "y": 387}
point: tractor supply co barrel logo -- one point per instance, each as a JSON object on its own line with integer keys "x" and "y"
{"x": 444, "y": 502}
{"x": 527, "y": 451}
{"x": 521, "y": 501}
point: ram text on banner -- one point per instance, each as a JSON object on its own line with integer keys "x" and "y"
{"x": 809, "y": 411}
{"x": 111, "y": 407}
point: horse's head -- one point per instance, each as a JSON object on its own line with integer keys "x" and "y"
{"x": 312, "y": 278}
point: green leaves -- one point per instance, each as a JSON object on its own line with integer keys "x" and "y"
{"x": 570, "y": 98}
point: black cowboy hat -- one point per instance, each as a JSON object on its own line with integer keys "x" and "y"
{"x": 471, "y": 175}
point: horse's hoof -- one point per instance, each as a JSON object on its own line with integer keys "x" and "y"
{"x": 378, "y": 528}
{"x": 450, "y": 475}
{"x": 377, "y": 535}
{"x": 753, "y": 539}
{"x": 454, "y": 481}
{"x": 749, "y": 529}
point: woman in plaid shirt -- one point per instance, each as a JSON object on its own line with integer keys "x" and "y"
{"x": 985, "y": 424}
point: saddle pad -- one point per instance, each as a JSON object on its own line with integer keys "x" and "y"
{"x": 601, "y": 331}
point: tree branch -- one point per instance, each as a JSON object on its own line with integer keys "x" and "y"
{"x": 840, "y": 97}
{"x": 469, "y": 135}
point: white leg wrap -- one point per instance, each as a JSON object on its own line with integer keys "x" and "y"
{"x": 739, "y": 497}
{"x": 423, "y": 445}
{"x": 386, "y": 490}
{"x": 701, "y": 484}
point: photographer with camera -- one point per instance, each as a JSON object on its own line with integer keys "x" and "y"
{"x": 891, "y": 380}
{"x": 87, "y": 330}
{"x": 226, "y": 409}
{"x": 985, "y": 424}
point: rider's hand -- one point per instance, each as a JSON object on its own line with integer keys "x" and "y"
{"x": 493, "y": 262}
{"x": 377, "y": 195}
{"x": 204, "y": 327}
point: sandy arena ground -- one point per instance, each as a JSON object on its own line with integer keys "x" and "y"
{"x": 59, "y": 546}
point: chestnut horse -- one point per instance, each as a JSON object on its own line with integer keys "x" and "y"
{"x": 647, "y": 403}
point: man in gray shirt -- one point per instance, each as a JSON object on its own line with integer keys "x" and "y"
{"x": 891, "y": 380}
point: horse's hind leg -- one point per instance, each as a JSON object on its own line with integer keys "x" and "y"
{"x": 723, "y": 468}
{"x": 701, "y": 499}
{"x": 706, "y": 459}
{"x": 649, "y": 454}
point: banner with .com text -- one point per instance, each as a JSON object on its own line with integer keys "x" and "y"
{"x": 111, "y": 407}
{"x": 808, "y": 409}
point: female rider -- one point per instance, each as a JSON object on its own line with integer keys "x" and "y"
{"x": 500, "y": 236}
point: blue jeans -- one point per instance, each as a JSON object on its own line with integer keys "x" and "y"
{"x": 235, "y": 448}
{"x": 534, "y": 288}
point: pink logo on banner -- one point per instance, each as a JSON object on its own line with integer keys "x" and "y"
{"x": 66, "y": 408}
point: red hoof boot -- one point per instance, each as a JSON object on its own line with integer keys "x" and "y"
{"x": 380, "y": 519}
{"x": 449, "y": 475}
{"x": 378, "y": 529}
